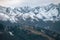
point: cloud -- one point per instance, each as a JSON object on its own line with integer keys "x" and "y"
{"x": 4, "y": 17}
{"x": 10, "y": 2}
{"x": 27, "y": 2}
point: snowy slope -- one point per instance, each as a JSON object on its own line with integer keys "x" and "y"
{"x": 46, "y": 13}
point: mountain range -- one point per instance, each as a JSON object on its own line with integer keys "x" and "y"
{"x": 43, "y": 17}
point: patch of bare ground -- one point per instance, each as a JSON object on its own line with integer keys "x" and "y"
{"x": 32, "y": 30}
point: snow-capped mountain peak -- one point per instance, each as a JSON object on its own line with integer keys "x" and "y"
{"x": 47, "y": 13}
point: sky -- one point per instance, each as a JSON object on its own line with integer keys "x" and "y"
{"x": 14, "y": 3}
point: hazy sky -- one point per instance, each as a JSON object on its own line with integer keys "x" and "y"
{"x": 27, "y": 2}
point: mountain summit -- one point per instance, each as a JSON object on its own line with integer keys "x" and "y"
{"x": 35, "y": 16}
{"x": 46, "y": 13}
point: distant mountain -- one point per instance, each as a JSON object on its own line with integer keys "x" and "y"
{"x": 38, "y": 16}
{"x": 30, "y": 23}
